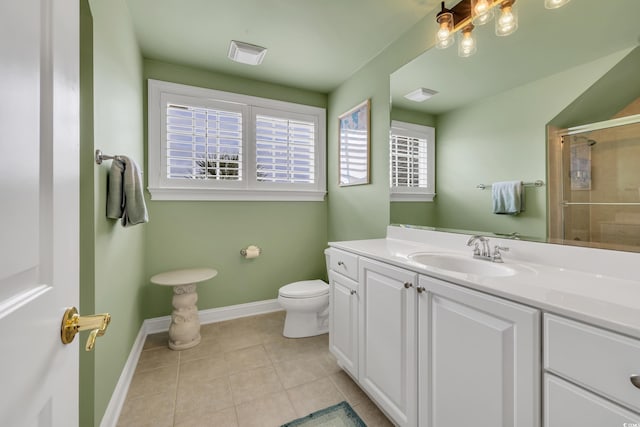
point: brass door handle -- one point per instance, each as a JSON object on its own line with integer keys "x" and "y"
{"x": 72, "y": 323}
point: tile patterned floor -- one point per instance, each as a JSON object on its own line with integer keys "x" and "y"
{"x": 243, "y": 373}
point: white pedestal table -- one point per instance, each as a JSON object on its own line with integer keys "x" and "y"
{"x": 184, "y": 331}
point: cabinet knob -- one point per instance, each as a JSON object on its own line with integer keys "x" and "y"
{"x": 420, "y": 289}
{"x": 340, "y": 263}
{"x": 635, "y": 380}
{"x": 408, "y": 285}
{"x": 353, "y": 292}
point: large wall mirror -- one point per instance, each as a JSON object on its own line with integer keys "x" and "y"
{"x": 505, "y": 113}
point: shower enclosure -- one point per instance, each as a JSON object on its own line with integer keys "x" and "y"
{"x": 595, "y": 199}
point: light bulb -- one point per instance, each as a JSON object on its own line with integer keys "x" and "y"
{"x": 443, "y": 44}
{"x": 481, "y": 7}
{"x": 554, "y": 4}
{"x": 482, "y": 11}
{"x": 507, "y": 23}
{"x": 467, "y": 44}
{"x": 444, "y": 35}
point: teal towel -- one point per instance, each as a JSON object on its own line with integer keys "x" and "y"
{"x": 125, "y": 197}
{"x": 508, "y": 197}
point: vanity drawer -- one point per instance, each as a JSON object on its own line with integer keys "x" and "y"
{"x": 568, "y": 405}
{"x": 344, "y": 263}
{"x": 600, "y": 360}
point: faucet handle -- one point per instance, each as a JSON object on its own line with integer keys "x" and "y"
{"x": 476, "y": 249}
{"x": 497, "y": 256}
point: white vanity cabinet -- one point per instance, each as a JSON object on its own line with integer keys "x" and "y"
{"x": 388, "y": 347}
{"x": 553, "y": 342}
{"x": 343, "y": 309}
{"x": 593, "y": 375}
{"x": 479, "y": 358}
{"x": 431, "y": 353}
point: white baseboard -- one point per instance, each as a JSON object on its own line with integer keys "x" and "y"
{"x": 112, "y": 413}
{"x": 161, "y": 324}
{"x": 213, "y": 315}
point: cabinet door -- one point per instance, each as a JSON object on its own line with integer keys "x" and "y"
{"x": 343, "y": 322}
{"x": 388, "y": 339}
{"x": 479, "y": 358}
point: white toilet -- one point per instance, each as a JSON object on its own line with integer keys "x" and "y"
{"x": 307, "y": 307}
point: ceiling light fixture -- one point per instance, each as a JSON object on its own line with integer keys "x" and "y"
{"x": 246, "y": 53}
{"x": 421, "y": 94}
{"x": 466, "y": 14}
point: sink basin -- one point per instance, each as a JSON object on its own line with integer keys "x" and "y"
{"x": 461, "y": 264}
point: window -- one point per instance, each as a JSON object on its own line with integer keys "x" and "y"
{"x": 212, "y": 145}
{"x": 285, "y": 149}
{"x": 203, "y": 143}
{"x": 412, "y": 162}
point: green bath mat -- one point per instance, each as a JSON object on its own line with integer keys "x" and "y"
{"x": 340, "y": 415}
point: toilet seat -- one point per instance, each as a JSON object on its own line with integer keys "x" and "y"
{"x": 304, "y": 289}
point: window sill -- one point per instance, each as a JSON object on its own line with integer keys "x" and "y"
{"x": 191, "y": 194}
{"x": 411, "y": 197}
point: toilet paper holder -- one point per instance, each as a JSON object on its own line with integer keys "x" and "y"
{"x": 251, "y": 251}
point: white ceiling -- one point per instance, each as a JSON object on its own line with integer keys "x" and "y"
{"x": 312, "y": 44}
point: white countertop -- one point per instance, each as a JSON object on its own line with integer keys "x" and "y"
{"x": 599, "y": 299}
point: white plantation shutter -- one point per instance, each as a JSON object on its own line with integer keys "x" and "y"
{"x": 203, "y": 143}
{"x": 285, "y": 150}
{"x": 412, "y": 162}
{"x": 211, "y": 145}
{"x": 354, "y": 158}
{"x": 408, "y": 161}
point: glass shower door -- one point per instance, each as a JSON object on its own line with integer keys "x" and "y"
{"x": 601, "y": 184}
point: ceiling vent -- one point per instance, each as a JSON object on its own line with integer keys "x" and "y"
{"x": 246, "y": 53}
{"x": 420, "y": 94}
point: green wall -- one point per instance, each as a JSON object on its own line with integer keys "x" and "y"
{"x": 503, "y": 138}
{"x": 607, "y": 97}
{"x": 119, "y": 270}
{"x": 361, "y": 212}
{"x": 184, "y": 234}
{"x": 413, "y": 116}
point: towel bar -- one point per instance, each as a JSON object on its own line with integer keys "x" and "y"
{"x": 100, "y": 157}
{"x": 538, "y": 183}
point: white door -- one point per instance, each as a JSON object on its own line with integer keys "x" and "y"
{"x": 39, "y": 203}
{"x": 387, "y": 366}
{"x": 343, "y": 321}
{"x": 479, "y": 359}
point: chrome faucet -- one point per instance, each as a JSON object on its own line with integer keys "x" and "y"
{"x": 485, "y": 252}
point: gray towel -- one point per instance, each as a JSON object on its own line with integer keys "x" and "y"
{"x": 125, "y": 197}
{"x": 508, "y": 197}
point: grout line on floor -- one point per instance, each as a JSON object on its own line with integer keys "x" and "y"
{"x": 175, "y": 397}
